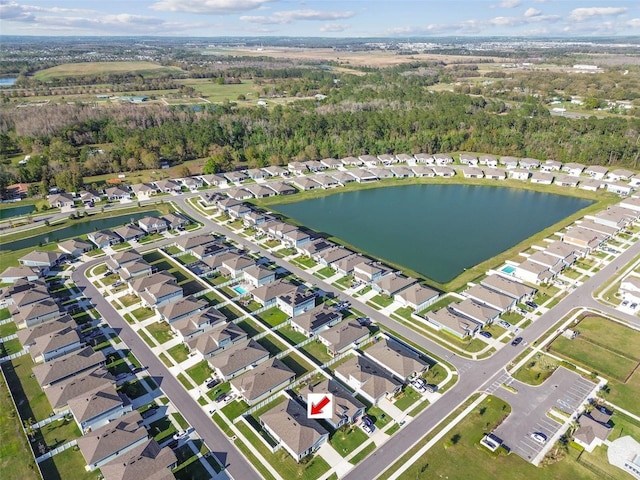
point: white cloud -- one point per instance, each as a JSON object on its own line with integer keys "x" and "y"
{"x": 532, "y": 12}
{"x": 212, "y": 7}
{"x": 509, "y": 3}
{"x": 506, "y": 21}
{"x": 334, "y": 27}
{"x": 589, "y": 13}
{"x": 634, "y": 22}
{"x": 288, "y": 16}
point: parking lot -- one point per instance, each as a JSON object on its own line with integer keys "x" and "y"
{"x": 565, "y": 390}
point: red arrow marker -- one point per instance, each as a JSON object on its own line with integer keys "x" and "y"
{"x": 316, "y": 409}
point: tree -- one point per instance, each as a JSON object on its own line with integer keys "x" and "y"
{"x": 29, "y": 429}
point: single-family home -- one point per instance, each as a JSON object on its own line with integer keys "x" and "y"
{"x": 28, "y": 336}
{"x": 331, "y": 163}
{"x": 41, "y": 260}
{"x": 176, "y": 221}
{"x": 105, "y": 444}
{"x": 543, "y": 178}
{"x": 387, "y": 159}
{"x": 314, "y": 247}
{"x": 491, "y": 298}
{"x": 61, "y": 200}
{"x": 596, "y": 171}
{"x": 345, "y": 265}
{"x": 606, "y": 230}
{"x": 53, "y": 345}
{"x": 262, "y": 381}
{"x": 288, "y": 425}
{"x": 214, "y": 180}
{"x": 37, "y": 312}
{"x": 479, "y": 312}
{"x": 238, "y": 359}
{"x": 488, "y": 160}
{"x": 533, "y": 272}
{"x": 254, "y": 218}
{"x": 147, "y": 460}
{"x": 235, "y": 264}
{"x": 404, "y": 362}
{"x": 568, "y": 253}
{"x": 342, "y": 177}
{"x": 362, "y": 176}
{"x": 369, "y": 160}
{"x": 442, "y": 159}
{"x": 296, "y": 302}
{"x": 152, "y": 224}
{"x": 347, "y": 409}
{"x": 451, "y": 321}
{"x": 97, "y": 408}
{"x": 74, "y": 247}
{"x": 156, "y": 294}
{"x": 416, "y": 296}
{"x": 119, "y": 259}
{"x": 552, "y": 262}
{"x": 467, "y": 159}
{"x": 13, "y": 274}
{"x": 297, "y": 168}
{"x": 276, "y": 171}
{"x": 593, "y": 428}
{"x": 89, "y": 197}
{"x": 168, "y": 186}
{"x": 509, "y": 162}
{"x": 615, "y": 216}
{"x": 472, "y": 172}
{"x": 343, "y": 336}
{"x": 305, "y": 183}
{"x": 259, "y": 275}
{"x": 116, "y": 193}
{"x": 551, "y": 166}
{"x": 144, "y": 190}
{"x": 631, "y": 203}
{"x": 581, "y": 237}
{"x": 405, "y": 158}
{"x": 381, "y": 172}
{"x": 369, "y": 271}
{"x": 368, "y": 378}
{"x": 566, "y": 181}
{"x": 506, "y": 286}
{"x": 573, "y": 169}
{"x": 198, "y": 322}
{"x": 315, "y": 166}
{"x": 257, "y": 174}
{"x": 130, "y": 232}
{"x": 392, "y": 284}
{"x": 317, "y": 319}
{"x": 619, "y": 188}
{"x": 181, "y": 308}
{"x": 235, "y": 177}
{"x": 238, "y": 194}
{"x": 422, "y": 171}
{"x": 295, "y": 238}
{"x": 619, "y": 174}
{"x": 260, "y": 190}
{"x": 282, "y": 188}
{"x": 518, "y": 173}
{"x": 494, "y": 173}
{"x": 630, "y": 289}
{"x": 329, "y": 256}
{"x": 327, "y": 181}
{"x": 68, "y": 365}
{"x": 351, "y": 162}
{"x": 217, "y": 339}
{"x": 76, "y": 386}
{"x": 590, "y": 184}
{"x": 441, "y": 171}
{"x": 529, "y": 163}
{"x": 425, "y": 158}
{"x": 402, "y": 172}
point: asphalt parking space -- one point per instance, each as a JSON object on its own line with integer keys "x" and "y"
{"x": 565, "y": 390}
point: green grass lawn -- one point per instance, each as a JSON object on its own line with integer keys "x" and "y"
{"x": 184, "y": 381}
{"x": 325, "y": 272}
{"x": 296, "y": 363}
{"x": 191, "y": 469}
{"x": 235, "y": 409}
{"x": 10, "y": 347}
{"x": 179, "y": 419}
{"x": 142, "y": 313}
{"x": 626, "y": 394}
{"x": 537, "y": 370}
{"x": 4, "y": 314}
{"x": 230, "y": 312}
{"x": 161, "y": 331}
{"x": 380, "y": 419}
{"x": 273, "y": 316}
{"x": 15, "y": 462}
{"x": 146, "y": 338}
{"x": 250, "y": 327}
{"x": 212, "y": 297}
{"x": 442, "y": 460}
{"x": 128, "y": 300}
{"x": 200, "y": 372}
{"x": 344, "y": 282}
{"x": 59, "y": 466}
{"x": 294, "y": 337}
{"x": 382, "y": 300}
{"x": 305, "y": 261}
{"x": 133, "y": 389}
{"x": 362, "y": 454}
{"x": 407, "y": 398}
{"x": 162, "y": 429}
{"x": 117, "y": 367}
{"x": 179, "y": 352}
{"x": 316, "y": 350}
{"x": 57, "y": 433}
{"x": 512, "y": 317}
{"x": 29, "y": 397}
{"x": 346, "y": 440}
{"x": 272, "y": 344}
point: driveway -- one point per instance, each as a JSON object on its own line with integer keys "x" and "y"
{"x": 565, "y": 390}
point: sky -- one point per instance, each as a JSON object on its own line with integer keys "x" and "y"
{"x": 321, "y": 18}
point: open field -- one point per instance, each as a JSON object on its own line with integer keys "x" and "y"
{"x": 146, "y": 69}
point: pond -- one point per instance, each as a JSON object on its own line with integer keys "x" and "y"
{"x": 16, "y": 211}
{"x": 75, "y": 230}
{"x": 435, "y": 230}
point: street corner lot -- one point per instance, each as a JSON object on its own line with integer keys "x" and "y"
{"x": 564, "y": 390}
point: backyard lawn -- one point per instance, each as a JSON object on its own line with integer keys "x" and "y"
{"x": 317, "y": 350}
{"x": 59, "y": 466}
{"x": 250, "y": 327}
{"x": 272, "y": 344}
{"x": 162, "y": 429}
{"x": 296, "y": 363}
{"x": 273, "y": 316}
{"x": 294, "y": 337}
{"x": 29, "y": 397}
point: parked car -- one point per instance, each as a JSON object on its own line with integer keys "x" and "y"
{"x": 367, "y": 425}
{"x": 504, "y": 324}
{"x": 531, "y": 304}
{"x": 516, "y": 341}
{"x": 634, "y": 305}
{"x": 212, "y": 383}
{"x": 180, "y": 435}
{"x": 485, "y": 334}
{"x": 625, "y": 303}
{"x": 539, "y": 437}
{"x": 221, "y": 397}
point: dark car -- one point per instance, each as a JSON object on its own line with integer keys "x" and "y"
{"x": 212, "y": 383}
{"x": 532, "y": 304}
{"x": 516, "y": 341}
{"x": 485, "y": 334}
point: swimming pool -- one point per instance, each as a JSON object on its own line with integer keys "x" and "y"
{"x": 238, "y": 289}
{"x": 509, "y": 269}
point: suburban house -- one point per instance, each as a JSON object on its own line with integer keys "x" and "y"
{"x": 568, "y": 253}
{"x": 214, "y": 180}
{"x": 296, "y": 302}
{"x": 405, "y": 158}
{"x": 551, "y": 166}
{"x": 346, "y": 265}
{"x": 619, "y": 188}
{"x": 295, "y": 238}
{"x": 53, "y": 345}
{"x": 282, "y": 188}
{"x": 28, "y": 336}
{"x": 619, "y": 174}
{"x": 441, "y": 171}
{"x": 479, "y": 312}
{"x": 566, "y": 181}
{"x": 347, "y": 409}
{"x": 343, "y": 336}
{"x": 327, "y": 181}
{"x": 363, "y": 176}
{"x": 114, "y": 439}
{"x": 74, "y": 247}
{"x": 117, "y": 194}
{"x": 615, "y": 216}
{"x": 61, "y": 200}
{"x": 596, "y": 171}
{"x": 68, "y": 365}
{"x": 192, "y": 183}
{"x": 573, "y": 169}
{"x": 552, "y": 262}
{"x": 594, "y": 428}
{"x": 387, "y": 159}
{"x": 422, "y": 171}
{"x": 313, "y": 321}
{"x": 425, "y": 158}
{"x": 543, "y": 178}
{"x": 472, "y": 172}
{"x": 262, "y": 381}
{"x": 118, "y": 260}
{"x": 217, "y": 339}
{"x": 252, "y": 219}
{"x": 258, "y": 275}
{"x": 315, "y": 166}
{"x": 381, "y": 172}
{"x": 288, "y": 425}
{"x": 494, "y": 173}
{"x": 197, "y": 323}
{"x": 509, "y": 162}
{"x": 77, "y": 386}
{"x": 276, "y": 171}
{"x": 305, "y": 183}
{"x": 442, "y": 159}
{"x": 238, "y": 211}
{"x": 368, "y": 160}
{"x": 134, "y": 269}
{"x": 158, "y": 291}
{"x": 599, "y": 228}
{"x": 630, "y": 289}
{"x": 488, "y": 160}
{"x": 631, "y": 203}
{"x": 181, "y": 308}
{"x": 516, "y": 290}
{"x": 42, "y": 260}
{"x": 392, "y": 284}
{"x": 146, "y": 460}
{"x": 417, "y": 297}
{"x": 176, "y": 221}
{"x": 450, "y": 321}
{"x": 351, "y": 162}
{"x": 266, "y": 295}
{"x": 581, "y": 237}
{"x": 153, "y": 224}
{"x": 257, "y": 174}
{"x": 402, "y": 172}
{"x": 129, "y": 233}
{"x": 103, "y": 238}
{"x": 297, "y": 168}
{"x": 234, "y": 265}
{"x": 314, "y": 247}
{"x": 37, "y": 312}
{"x": 144, "y": 190}
{"x": 470, "y": 160}
{"x": 14, "y": 274}
{"x": 96, "y": 409}
{"x": 534, "y": 272}
{"x": 235, "y": 177}
{"x": 238, "y": 359}
{"x": 590, "y": 184}
{"x": 260, "y": 191}
{"x": 331, "y": 163}
{"x": 168, "y": 186}
{"x": 368, "y": 378}
{"x": 519, "y": 174}
{"x": 24, "y": 293}
{"x": 369, "y": 271}
{"x": 404, "y": 362}
{"x": 332, "y": 255}
{"x": 529, "y": 163}
{"x": 342, "y": 177}
{"x": 491, "y": 298}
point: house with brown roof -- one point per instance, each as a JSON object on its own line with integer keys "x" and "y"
{"x": 287, "y": 424}
{"x": 146, "y": 460}
{"x": 594, "y": 428}
{"x": 583, "y": 238}
{"x": 295, "y": 238}
{"x": 49, "y": 347}
{"x": 77, "y": 386}
{"x": 316, "y": 320}
{"x": 67, "y": 366}
{"x": 401, "y": 360}
{"x": 61, "y": 200}
{"x": 98, "y": 407}
{"x": 129, "y": 232}
{"x": 13, "y": 274}
{"x": 103, "y": 238}
{"x": 332, "y": 255}
{"x": 516, "y": 290}
{"x": 157, "y": 291}
{"x": 197, "y": 323}
{"x": 234, "y": 265}
{"x": 168, "y": 186}
{"x": 314, "y": 247}
{"x": 282, "y": 188}
{"x": 392, "y": 284}
{"x": 259, "y": 275}
{"x": 238, "y": 359}
{"x": 345, "y": 265}
{"x": 181, "y": 308}
{"x": 369, "y": 271}
{"x": 416, "y": 296}
{"x": 216, "y": 339}
{"x": 38, "y": 312}
{"x": 28, "y": 336}
{"x": 262, "y": 381}
{"x": 296, "y": 302}
{"x": 74, "y": 247}
{"x": 152, "y": 224}
{"x": 534, "y": 272}
{"x": 42, "y": 260}
{"x": 28, "y": 293}
{"x": 347, "y": 409}
{"x": 343, "y": 336}
{"x": 453, "y": 322}
{"x": 267, "y": 295}
{"x": 117, "y": 194}
{"x": 109, "y": 442}
{"x": 368, "y": 378}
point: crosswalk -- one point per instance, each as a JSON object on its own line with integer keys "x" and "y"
{"x": 504, "y": 378}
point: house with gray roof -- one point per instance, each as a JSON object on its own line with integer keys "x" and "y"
{"x": 61, "y": 200}
{"x": 351, "y": 161}
{"x": 157, "y": 294}
{"x": 287, "y": 424}
{"x": 282, "y": 188}
{"x": 28, "y": 336}
{"x": 566, "y": 181}
{"x": 494, "y": 173}
{"x": 543, "y": 178}
{"x": 451, "y": 321}
{"x": 74, "y": 247}
{"x": 331, "y": 255}
{"x": 296, "y": 302}
{"x": 446, "y": 172}
{"x": 53, "y": 345}
{"x": 381, "y": 172}
{"x": 35, "y": 292}
{"x": 147, "y": 460}
{"x": 594, "y": 428}
{"x": 342, "y": 177}
{"x": 506, "y": 286}
{"x": 551, "y": 166}
{"x": 596, "y": 171}
{"x": 234, "y": 265}
{"x": 135, "y": 269}
{"x": 392, "y": 284}
{"x": 472, "y": 172}
{"x": 258, "y": 275}
{"x": 152, "y": 224}
{"x": 468, "y": 159}
{"x": 369, "y": 271}
{"x": 42, "y": 260}
{"x": 276, "y": 171}
{"x": 97, "y": 408}
{"x": 368, "y": 378}
{"x": 13, "y": 274}
{"x": 218, "y": 338}
{"x": 109, "y": 442}
{"x": 401, "y": 360}
{"x": 168, "y": 186}
{"x": 295, "y": 238}
{"x": 117, "y": 193}
{"x": 316, "y": 320}
{"x": 314, "y": 247}
{"x": 38, "y": 312}
{"x": 573, "y": 169}
{"x": 261, "y": 191}
{"x": 402, "y": 172}
{"x": 347, "y": 409}
{"x": 237, "y": 359}
{"x": 262, "y": 381}
{"x": 488, "y": 160}
{"x": 416, "y": 296}
{"x": 77, "y": 386}
{"x": 423, "y": 171}
{"x": 331, "y": 162}
{"x": 529, "y": 163}
{"x": 181, "y": 308}
{"x": 509, "y": 162}
{"x": 144, "y": 190}
{"x": 67, "y": 366}
{"x": 130, "y": 233}
{"x": 305, "y": 183}
{"x": 362, "y": 176}
{"x": 266, "y": 295}
{"x": 343, "y": 336}
{"x": 491, "y": 298}
{"x": 103, "y": 238}
{"x": 197, "y": 323}
{"x": 479, "y": 312}
{"x": 346, "y": 265}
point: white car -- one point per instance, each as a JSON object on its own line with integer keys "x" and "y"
{"x": 541, "y": 438}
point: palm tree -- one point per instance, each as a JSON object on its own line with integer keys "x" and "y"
{"x": 28, "y": 428}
